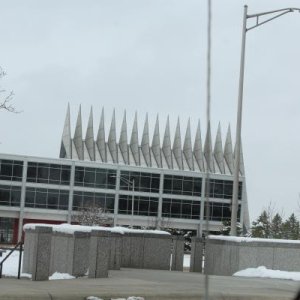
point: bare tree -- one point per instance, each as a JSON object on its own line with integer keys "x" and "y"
{"x": 6, "y": 98}
{"x": 92, "y": 216}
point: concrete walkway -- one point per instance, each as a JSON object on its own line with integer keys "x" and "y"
{"x": 150, "y": 284}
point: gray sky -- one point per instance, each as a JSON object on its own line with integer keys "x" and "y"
{"x": 149, "y": 56}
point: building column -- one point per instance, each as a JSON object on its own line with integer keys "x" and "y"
{"x": 116, "y": 208}
{"x": 22, "y": 200}
{"x": 71, "y": 192}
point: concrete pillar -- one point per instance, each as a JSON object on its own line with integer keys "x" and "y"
{"x": 70, "y": 253}
{"x": 157, "y": 251}
{"x": 132, "y": 250}
{"x": 99, "y": 254}
{"x": 41, "y": 253}
{"x": 115, "y": 251}
{"x": 28, "y": 251}
{"x": 196, "y": 255}
{"x": 177, "y": 253}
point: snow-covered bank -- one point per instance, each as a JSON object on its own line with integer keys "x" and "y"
{"x": 239, "y": 239}
{"x": 263, "y": 272}
{"x": 70, "y": 229}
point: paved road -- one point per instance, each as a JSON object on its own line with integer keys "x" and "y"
{"x": 150, "y": 284}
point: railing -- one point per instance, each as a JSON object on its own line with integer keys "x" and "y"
{"x": 20, "y": 244}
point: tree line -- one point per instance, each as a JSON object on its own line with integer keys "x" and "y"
{"x": 268, "y": 226}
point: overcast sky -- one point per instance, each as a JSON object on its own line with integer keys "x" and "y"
{"x": 150, "y": 56}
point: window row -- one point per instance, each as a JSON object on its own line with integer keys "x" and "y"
{"x": 223, "y": 189}
{"x": 182, "y": 185}
{"x": 11, "y": 170}
{"x": 47, "y": 198}
{"x": 183, "y": 209}
{"x": 48, "y": 173}
{"x": 97, "y": 178}
{"x": 6, "y": 230}
{"x": 221, "y": 211}
{"x": 10, "y": 195}
{"x": 143, "y": 206}
{"x": 101, "y": 200}
{"x": 143, "y": 182}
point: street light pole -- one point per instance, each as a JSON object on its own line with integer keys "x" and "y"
{"x": 276, "y": 14}
{"x": 234, "y": 206}
{"x": 132, "y": 204}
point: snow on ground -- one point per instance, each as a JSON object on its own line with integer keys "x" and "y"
{"x": 186, "y": 260}
{"x": 263, "y": 272}
{"x": 59, "y": 276}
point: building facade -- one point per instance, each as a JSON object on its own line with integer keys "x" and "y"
{"x": 136, "y": 184}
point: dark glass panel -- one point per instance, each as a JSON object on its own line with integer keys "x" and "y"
{"x": 187, "y": 186}
{"x": 155, "y": 183}
{"x": 196, "y": 210}
{"x": 240, "y": 190}
{"x": 168, "y": 184}
{"x": 226, "y": 211}
{"x": 145, "y": 183}
{"x": 53, "y": 199}
{"x": 41, "y": 198}
{"x": 77, "y": 201}
{"x": 101, "y": 179}
{"x": 17, "y": 172}
{"x": 43, "y": 173}
{"x": 54, "y": 175}
{"x": 110, "y": 204}
{"x": 4, "y": 196}
{"x": 111, "y": 179}
{"x": 175, "y": 208}
{"x": 177, "y": 184}
{"x": 79, "y": 175}
{"x": 30, "y": 197}
{"x": 197, "y": 186}
{"x": 65, "y": 175}
{"x": 64, "y": 200}
{"x": 6, "y": 170}
{"x": 228, "y": 186}
{"x": 15, "y": 196}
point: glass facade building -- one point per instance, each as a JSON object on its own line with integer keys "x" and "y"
{"x": 55, "y": 189}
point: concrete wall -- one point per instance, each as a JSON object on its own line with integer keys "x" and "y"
{"x": 146, "y": 251}
{"x": 177, "y": 253}
{"x": 225, "y": 257}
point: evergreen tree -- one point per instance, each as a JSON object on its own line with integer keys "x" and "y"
{"x": 291, "y": 230}
{"x": 276, "y": 227}
{"x": 261, "y": 228}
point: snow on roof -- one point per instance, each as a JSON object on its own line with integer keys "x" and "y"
{"x": 70, "y": 229}
{"x": 238, "y": 239}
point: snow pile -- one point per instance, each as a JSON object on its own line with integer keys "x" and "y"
{"x": 238, "y": 239}
{"x": 59, "y": 276}
{"x": 10, "y": 266}
{"x": 263, "y": 272}
{"x": 129, "y": 298}
{"x": 70, "y": 229}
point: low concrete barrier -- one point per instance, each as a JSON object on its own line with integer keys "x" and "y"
{"x": 75, "y": 249}
{"x": 227, "y": 255}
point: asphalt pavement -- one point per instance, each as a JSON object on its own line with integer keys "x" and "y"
{"x": 150, "y": 284}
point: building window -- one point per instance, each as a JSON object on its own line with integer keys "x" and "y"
{"x": 6, "y": 230}
{"x": 221, "y": 212}
{"x": 47, "y": 198}
{"x": 223, "y": 189}
{"x": 96, "y": 178}
{"x": 11, "y": 170}
{"x": 10, "y": 195}
{"x": 181, "y": 209}
{"x": 48, "y": 173}
{"x": 101, "y": 200}
{"x": 182, "y": 185}
{"x": 143, "y": 182}
{"x": 143, "y": 206}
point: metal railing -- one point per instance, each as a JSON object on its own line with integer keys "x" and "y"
{"x": 20, "y": 246}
